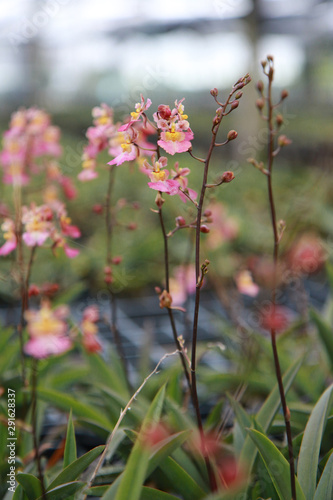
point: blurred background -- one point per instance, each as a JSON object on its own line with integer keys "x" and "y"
{"x": 67, "y": 56}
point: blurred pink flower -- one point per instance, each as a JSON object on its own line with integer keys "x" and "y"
{"x": 307, "y": 254}
{"x": 182, "y": 284}
{"x": 245, "y": 283}
{"x": 140, "y": 108}
{"x": 47, "y": 331}
{"x": 8, "y": 228}
{"x": 223, "y": 228}
{"x": 37, "y": 223}
{"x": 89, "y": 329}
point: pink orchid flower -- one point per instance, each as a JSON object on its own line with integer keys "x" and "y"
{"x": 175, "y": 135}
{"x": 140, "y": 108}
{"x": 37, "y": 223}
{"x": 8, "y": 228}
{"x": 47, "y": 331}
{"x": 159, "y": 176}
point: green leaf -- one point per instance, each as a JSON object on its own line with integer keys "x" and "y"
{"x": 132, "y": 479}
{"x": 152, "y": 494}
{"x": 70, "y": 446}
{"x": 243, "y": 421}
{"x": 182, "y": 482}
{"x": 310, "y": 447}
{"x": 266, "y": 415}
{"x": 68, "y": 403}
{"x": 72, "y": 471}
{"x": 31, "y": 485}
{"x": 325, "y": 333}
{"x": 276, "y": 465}
{"x": 64, "y": 491}
{"x": 18, "y": 495}
{"x": 230, "y": 494}
{"x": 108, "y": 376}
{"x": 325, "y": 485}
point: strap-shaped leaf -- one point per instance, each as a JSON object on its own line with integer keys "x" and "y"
{"x": 130, "y": 482}
{"x": 276, "y": 465}
{"x": 325, "y": 334}
{"x": 70, "y": 446}
{"x": 266, "y": 415}
{"x": 73, "y": 471}
{"x": 67, "y": 403}
{"x": 325, "y": 485}
{"x": 311, "y": 442}
{"x": 31, "y": 485}
{"x": 63, "y": 491}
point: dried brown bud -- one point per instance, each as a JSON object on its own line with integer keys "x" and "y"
{"x": 234, "y": 104}
{"x": 180, "y": 221}
{"x": 204, "y": 228}
{"x": 260, "y": 103}
{"x": 284, "y": 94}
{"x": 263, "y": 64}
{"x": 165, "y": 300}
{"x": 159, "y": 200}
{"x": 279, "y": 120}
{"x": 228, "y": 176}
{"x": 232, "y": 134}
{"x": 214, "y": 92}
{"x": 270, "y": 58}
{"x": 260, "y": 86}
{"x": 283, "y": 141}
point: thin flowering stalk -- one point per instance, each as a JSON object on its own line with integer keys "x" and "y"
{"x": 113, "y": 306}
{"x": 34, "y": 374}
{"x": 200, "y": 270}
{"x": 167, "y": 287}
{"x": 282, "y": 141}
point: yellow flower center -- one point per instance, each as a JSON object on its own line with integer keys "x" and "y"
{"x": 173, "y": 135}
{"x": 88, "y": 163}
{"x": 47, "y": 324}
{"x": 103, "y": 120}
{"x": 126, "y": 146}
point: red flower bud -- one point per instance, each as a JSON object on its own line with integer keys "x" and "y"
{"x": 228, "y": 176}
{"x": 207, "y": 213}
{"x": 164, "y": 111}
{"x": 204, "y": 229}
{"x": 283, "y": 141}
{"x": 98, "y": 209}
{"x": 180, "y": 221}
{"x": 108, "y": 279}
{"x": 132, "y": 226}
{"x": 117, "y": 260}
{"x": 234, "y": 104}
{"x": 107, "y": 270}
{"x": 279, "y": 120}
{"x": 33, "y": 290}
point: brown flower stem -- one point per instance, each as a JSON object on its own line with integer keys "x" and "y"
{"x": 34, "y": 425}
{"x": 285, "y": 409}
{"x": 167, "y": 287}
{"x": 113, "y": 305}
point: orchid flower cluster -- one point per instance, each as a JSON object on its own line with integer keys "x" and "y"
{"x": 129, "y": 142}
{"x": 31, "y": 146}
{"x": 41, "y": 224}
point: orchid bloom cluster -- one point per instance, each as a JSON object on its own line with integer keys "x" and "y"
{"x": 48, "y": 331}
{"x": 129, "y": 142}
{"x": 39, "y": 224}
{"x": 30, "y": 145}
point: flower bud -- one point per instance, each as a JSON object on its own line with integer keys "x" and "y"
{"x": 33, "y": 290}
{"x": 283, "y": 141}
{"x": 232, "y": 134}
{"x": 180, "y": 221}
{"x": 117, "y": 260}
{"x": 214, "y": 92}
{"x": 164, "y": 111}
{"x": 240, "y": 85}
{"x": 165, "y": 300}
{"x": 107, "y": 270}
{"x": 159, "y": 200}
{"x": 284, "y": 94}
{"x": 207, "y": 213}
{"x": 98, "y": 209}
{"x": 136, "y": 205}
{"x": 270, "y": 58}
{"x": 204, "y": 229}
{"x": 260, "y": 103}
{"x": 260, "y": 86}
{"x": 228, "y": 176}
{"x": 234, "y": 104}
{"x": 132, "y": 226}
{"x": 108, "y": 279}
{"x": 279, "y": 120}
{"x": 239, "y": 94}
